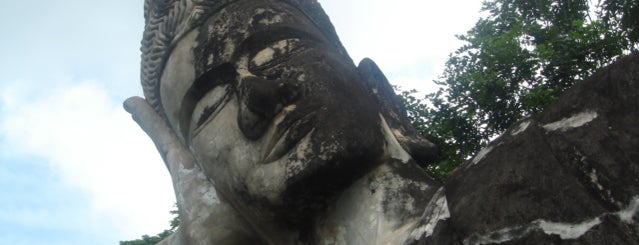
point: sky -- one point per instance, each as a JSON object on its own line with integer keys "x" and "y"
{"x": 74, "y": 167}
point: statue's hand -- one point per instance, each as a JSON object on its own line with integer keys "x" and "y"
{"x": 203, "y": 218}
{"x": 174, "y": 153}
{"x": 194, "y": 192}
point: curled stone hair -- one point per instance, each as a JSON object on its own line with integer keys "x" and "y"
{"x": 167, "y": 21}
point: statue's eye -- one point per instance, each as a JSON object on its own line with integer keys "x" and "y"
{"x": 209, "y": 106}
{"x": 202, "y": 98}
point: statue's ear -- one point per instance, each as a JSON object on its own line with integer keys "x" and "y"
{"x": 422, "y": 150}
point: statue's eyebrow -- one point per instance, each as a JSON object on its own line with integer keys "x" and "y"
{"x": 216, "y": 76}
{"x": 256, "y": 41}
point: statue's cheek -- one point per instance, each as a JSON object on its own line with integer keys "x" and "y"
{"x": 220, "y": 135}
{"x": 267, "y": 181}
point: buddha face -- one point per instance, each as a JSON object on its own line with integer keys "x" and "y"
{"x": 271, "y": 109}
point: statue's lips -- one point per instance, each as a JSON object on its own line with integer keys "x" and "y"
{"x": 289, "y": 131}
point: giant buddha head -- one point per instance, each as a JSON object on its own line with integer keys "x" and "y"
{"x": 264, "y": 95}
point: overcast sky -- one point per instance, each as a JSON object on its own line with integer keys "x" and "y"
{"x": 75, "y": 169}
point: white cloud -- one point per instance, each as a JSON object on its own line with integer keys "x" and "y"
{"x": 403, "y": 33}
{"x": 93, "y": 144}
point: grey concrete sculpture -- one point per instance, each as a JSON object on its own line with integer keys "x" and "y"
{"x": 265, "y": 108}
{"x": 272, "y": 135}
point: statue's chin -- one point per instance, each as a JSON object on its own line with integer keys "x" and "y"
{"x": 268, "y": 181}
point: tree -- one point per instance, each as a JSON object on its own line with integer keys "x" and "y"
{"x": 514, "y": 62}
{"x": 151, "y": 240}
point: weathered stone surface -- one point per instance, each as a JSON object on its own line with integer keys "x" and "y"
{"x": 273, "y": 136}
{"x": 257, "y": 102}
{"x": 391, "y": 108}
{"x": 567, "y": 175}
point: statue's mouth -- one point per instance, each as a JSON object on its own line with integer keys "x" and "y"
{"x": 290, "y": 129}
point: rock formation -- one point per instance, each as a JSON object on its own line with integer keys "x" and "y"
{"x": 568, "y": 175}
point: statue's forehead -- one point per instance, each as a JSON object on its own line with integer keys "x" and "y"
{"x": 242, "y": 29}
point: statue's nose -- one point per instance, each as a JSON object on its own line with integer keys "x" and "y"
{"x": 261, "y": 100}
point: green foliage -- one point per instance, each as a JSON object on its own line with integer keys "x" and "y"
{"x": 514, "y": 62}
{"x": 624, "y": 15}
{"x": 175, "y": 222}
{"x": 151, "y": 240}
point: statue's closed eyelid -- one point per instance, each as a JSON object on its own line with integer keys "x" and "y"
{"x": 219, "y": 75}
{"x": 209, "y": 107}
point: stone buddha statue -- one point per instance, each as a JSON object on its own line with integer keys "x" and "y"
{"x": 272, "y": 135}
